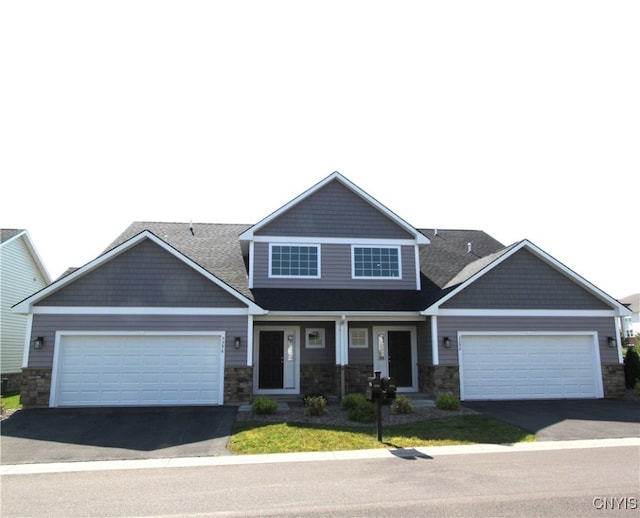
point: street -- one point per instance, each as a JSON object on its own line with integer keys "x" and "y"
{"x": 598, "y": 481}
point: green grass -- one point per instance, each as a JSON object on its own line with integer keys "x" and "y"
{"x": 256, "y": 438}
{"x": 11, "y": 401}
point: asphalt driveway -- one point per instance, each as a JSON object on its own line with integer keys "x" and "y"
{"x": 567, "y": 419}
{"x": 88, "y": 434}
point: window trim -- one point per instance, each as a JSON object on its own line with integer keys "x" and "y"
{"x": 366, "y": 338}
{"x": 321, "y": 333}
{"x": 362, "y": 277}
{"x": 317, "y": 247}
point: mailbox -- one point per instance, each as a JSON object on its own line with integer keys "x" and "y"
{"x": 374, "y": 388}
{"x": 389, "y": 388}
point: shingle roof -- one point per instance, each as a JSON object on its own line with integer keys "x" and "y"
{"x": 8, "y": 233}
{"x": 215, "y": 247}
{"x": 447, "y": 256}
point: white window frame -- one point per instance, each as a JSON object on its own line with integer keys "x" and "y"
{"x": 294, "y": 245}
{"x": 353, "y": 262}
{"x": 321, "y": 334}
{"x": 352, "y": 345}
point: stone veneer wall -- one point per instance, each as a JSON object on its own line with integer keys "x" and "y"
{"x": 356, "y": 378}
{"x": 613, "y": 380}
{"x": 238, "y": 385}
{"x": 319, "y": 379}
{"x": 35, "y": 388}
{"x": 434, "y": 380}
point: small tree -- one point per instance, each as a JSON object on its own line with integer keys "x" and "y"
{"x": 631, "y": 367}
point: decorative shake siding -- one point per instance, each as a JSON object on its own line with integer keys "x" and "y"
{"x": 334, "y": 211}
{"x": 143, "y": 276}
{"x": 524, "y": 282}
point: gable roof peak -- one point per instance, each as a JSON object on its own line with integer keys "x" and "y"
{"x": 336, "y": 176}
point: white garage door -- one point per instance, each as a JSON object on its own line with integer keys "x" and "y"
{"x": 529, "y": 367}
{"x": 140, "y": 370}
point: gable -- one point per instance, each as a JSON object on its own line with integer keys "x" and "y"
{"x": 334, "y": 210}
{"x": 145, "y": 275}
{"x": 524, "y": 281}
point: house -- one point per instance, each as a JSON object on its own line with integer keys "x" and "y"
{"x": 631, "y": 323}
{"x": 21, "y": 273}
{"x": 314, "y": 298}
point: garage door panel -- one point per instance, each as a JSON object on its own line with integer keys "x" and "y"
{"x": 528, "y": 366}
{"x": 138, "y": 370}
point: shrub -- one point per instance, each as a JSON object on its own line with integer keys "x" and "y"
{"x": 315, "y": 405}
{"x": 447, "y": 402}
{"x": 631, "y": 367}
{"x": 351, "y": 401}
{"x": 401, "y": 405}
{"x": 263, "y": 405}
{"x": 307, "y": 397}
{"x": 637, "y": 389}
{"x": 363, "y": 412}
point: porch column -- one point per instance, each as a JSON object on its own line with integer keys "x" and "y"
{"x": 434, "y": 340}
{"x": 342, "y": 350}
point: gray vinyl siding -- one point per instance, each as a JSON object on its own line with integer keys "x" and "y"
{"x": 450, "y": 326}
{"x": 334, "y": 211}
{"x": 19, "y": 278}
{"x": 335, "y": 264}
{"x": 525, "y": 282}
{"x": 47, "y": 325}
{"x": 143, "y": 276}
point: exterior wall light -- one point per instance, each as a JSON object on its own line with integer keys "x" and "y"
{"x": 236, "y": 342}
{"x": 38, "y": 342}
{"x": 446, "y": 342}
{"x": 612, "y": 341}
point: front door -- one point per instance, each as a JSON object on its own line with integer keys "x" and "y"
{"x": 271, "y": 361}
{"x": 399, "y": 358}
{"x": 278, "y": 368}
{"x": 395, "y": 355}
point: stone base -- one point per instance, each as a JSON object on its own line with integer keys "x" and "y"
{"x": 613, "y": 380}
{"x": 319, "y": 379}
{"x": 238, "y": 385}
{"x": 356, "y": 378}
{"x": 35, "y": 388}
{"x": 435, "y": 380}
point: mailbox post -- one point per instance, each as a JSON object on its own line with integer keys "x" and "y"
{"x": 378, "y": 390}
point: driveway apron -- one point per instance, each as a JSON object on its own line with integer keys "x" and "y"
{"x": 89, "y": 434}
{"x": 567, "y": 419}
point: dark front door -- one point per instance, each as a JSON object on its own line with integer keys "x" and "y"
{"x": 400, "y": 363}
{"x": 271, "y": 361}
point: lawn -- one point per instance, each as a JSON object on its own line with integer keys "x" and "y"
{"x": 255, "y": 437}
{"x": 11, "y": 401}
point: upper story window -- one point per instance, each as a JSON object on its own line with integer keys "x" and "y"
{"x": 294, "y": 261}
{"x": 376, "y": 262}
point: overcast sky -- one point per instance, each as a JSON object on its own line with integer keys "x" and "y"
{"x": 517, "y": 118}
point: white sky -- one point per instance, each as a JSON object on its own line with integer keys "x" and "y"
{"x": 518, "y": 118}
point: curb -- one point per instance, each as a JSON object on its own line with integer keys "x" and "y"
{"x": 404, "y": 453}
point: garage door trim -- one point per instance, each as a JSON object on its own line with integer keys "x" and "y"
{"x": 599, "y": 390}
{"x": 53, "y": 397}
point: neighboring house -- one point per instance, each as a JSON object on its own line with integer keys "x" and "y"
{"x": 314, "y": 298}
{"x": 631, "y": 323}
{"x": 21, "y": 273}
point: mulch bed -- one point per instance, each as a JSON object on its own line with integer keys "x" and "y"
{"x": 335, "y": 416}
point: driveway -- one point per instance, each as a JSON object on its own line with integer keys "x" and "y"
{"x": 567, "y": 419}
{"x": 87, "y": 434}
